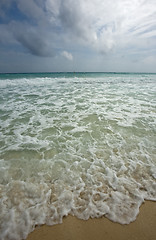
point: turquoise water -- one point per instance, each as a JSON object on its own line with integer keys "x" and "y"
{"x": 75, "y": 143}
{"x": 69, "y": 75}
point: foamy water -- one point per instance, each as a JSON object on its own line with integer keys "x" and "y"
{"x": 82, "y": 145}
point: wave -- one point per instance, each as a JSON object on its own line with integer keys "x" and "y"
{"x": 84, "y": 147}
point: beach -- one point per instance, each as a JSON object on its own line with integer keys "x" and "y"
{"x": 72, "y": 228}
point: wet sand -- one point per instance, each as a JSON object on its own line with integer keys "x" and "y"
{"x": 144, "y": 228}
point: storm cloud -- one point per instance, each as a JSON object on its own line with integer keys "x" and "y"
{"x": 50, "y": 28}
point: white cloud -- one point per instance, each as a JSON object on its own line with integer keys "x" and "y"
{"x": 104, "y": 24}
{"x": 67, "y": 55}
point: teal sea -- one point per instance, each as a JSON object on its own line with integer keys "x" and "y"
{"x": 75, "y": 143}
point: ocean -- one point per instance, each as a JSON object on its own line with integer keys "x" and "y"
{"x": 82, "y": 144}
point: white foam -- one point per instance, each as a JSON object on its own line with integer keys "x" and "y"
{"x": 85, "y": 148}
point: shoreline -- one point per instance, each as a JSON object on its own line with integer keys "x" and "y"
{"x": 72, "y": 228}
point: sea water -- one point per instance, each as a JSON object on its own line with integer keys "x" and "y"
{"x": 75, "y": 143}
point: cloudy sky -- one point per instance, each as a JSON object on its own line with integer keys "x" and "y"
{"x": 77, "y": 35}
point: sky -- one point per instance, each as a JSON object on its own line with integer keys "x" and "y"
{"x": 77, "y": 35}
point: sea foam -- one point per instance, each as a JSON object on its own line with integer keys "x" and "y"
{"x": 83, "y": 146}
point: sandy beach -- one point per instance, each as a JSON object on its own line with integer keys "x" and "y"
{"x": 75, "y": 229}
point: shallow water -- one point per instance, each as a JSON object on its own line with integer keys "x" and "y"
{"x": 80, "y": 144}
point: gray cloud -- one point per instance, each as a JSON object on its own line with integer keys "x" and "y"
{"x": 31, "y": 9}
{"x": 98, "y": 24}
{"x": 71, "y": 17}
{"x": 34, "y": 39}
{"x": 34, "y": 43}
{"x": 57, "y": 27}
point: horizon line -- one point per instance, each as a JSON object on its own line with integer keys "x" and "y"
{"x": 77, "y": 72}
